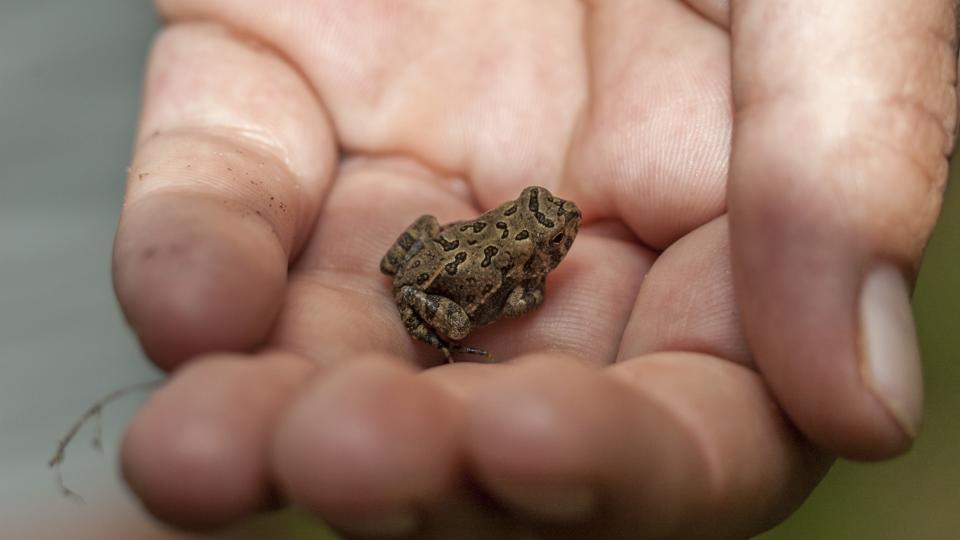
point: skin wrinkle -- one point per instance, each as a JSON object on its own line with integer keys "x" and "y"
{"x": 344, "y": 280}
{"x": 904, "y": 234}
{"x": 257, "y": 137}
{"x": 716, "y": 12}
{"x": 933, "y": 175}
{"x": 571, "y": 112}
{"x": 254, "y": 44}
{"x": 393, "y": 341}
{"x": 585, "y": 106}
{"x": 197, "y": 14}
{"x": 940, "y": 109}
{"x": 911, "y": 108}
{"x": 673, "y": 159}
{"x": 209, "y": 185}
{"x": 628, "y": 151}
{"x": 568, "y": 325}
{"x": 658, "y": 321}
{"x": 866, "y": 45}
{"x": 289, "y": 177}
{"x": 631, "y": 293}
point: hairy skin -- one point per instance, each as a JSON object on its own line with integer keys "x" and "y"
{"x": 695, "y": 365}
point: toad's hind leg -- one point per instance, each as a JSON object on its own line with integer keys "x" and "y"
{"x": 417, "y": 329}
{"x": 427, "y": 317}
{"x": 408, "y": 243}
{"x": 458, "y": 348}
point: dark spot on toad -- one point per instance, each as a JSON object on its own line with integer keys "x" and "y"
{"x": 488, "y": 253}
{"x": 447, "y": 244}
{"x": 544, "y": 220}
{"x": 451, "y": 267}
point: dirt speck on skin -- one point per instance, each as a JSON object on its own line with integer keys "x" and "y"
{"x": 143, "y": 175}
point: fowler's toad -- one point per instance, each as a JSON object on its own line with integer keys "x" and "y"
{"x": 449, "y": 280}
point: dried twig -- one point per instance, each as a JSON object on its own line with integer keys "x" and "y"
{"x": 95, "y": 412}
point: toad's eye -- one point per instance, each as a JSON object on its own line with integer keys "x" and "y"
{"x": 557, "y": 239}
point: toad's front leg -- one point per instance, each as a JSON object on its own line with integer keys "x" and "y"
{"x": 436, "y": 320}
{"x": 524, "y": 298}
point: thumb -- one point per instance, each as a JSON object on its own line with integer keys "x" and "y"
{"x": 845, "y": 114}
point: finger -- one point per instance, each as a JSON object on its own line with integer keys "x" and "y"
{"x": 652, "y": 145}
{"x": 195, "y": 454}
{"x": 674, "y": 445}
{"x": 845, "y": 113}
{"x": 231, "y": 161}
{"x": 686, "y": 301}
{"x": 366, "y": 447}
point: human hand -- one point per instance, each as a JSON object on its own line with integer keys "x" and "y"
{"x": 314, "y": 132}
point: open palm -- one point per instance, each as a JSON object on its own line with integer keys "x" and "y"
{"x": 310, "y": 133}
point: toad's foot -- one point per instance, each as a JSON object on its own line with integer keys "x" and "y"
{"x": 457, "y": 348}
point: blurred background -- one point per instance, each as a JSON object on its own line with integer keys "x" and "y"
{"x": 69, "y": 89}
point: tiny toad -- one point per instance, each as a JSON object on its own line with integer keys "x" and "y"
{"x": 449, "y": 280}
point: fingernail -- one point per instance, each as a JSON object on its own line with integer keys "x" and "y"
{"x": 890, "y": 355}
{"x": 561, "y": 504}
{"x": 394, "y": 524}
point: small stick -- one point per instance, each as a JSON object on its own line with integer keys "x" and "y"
{"x": 95, "y": 412}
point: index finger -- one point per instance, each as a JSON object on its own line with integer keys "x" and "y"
{"x": 232, "y": 158}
